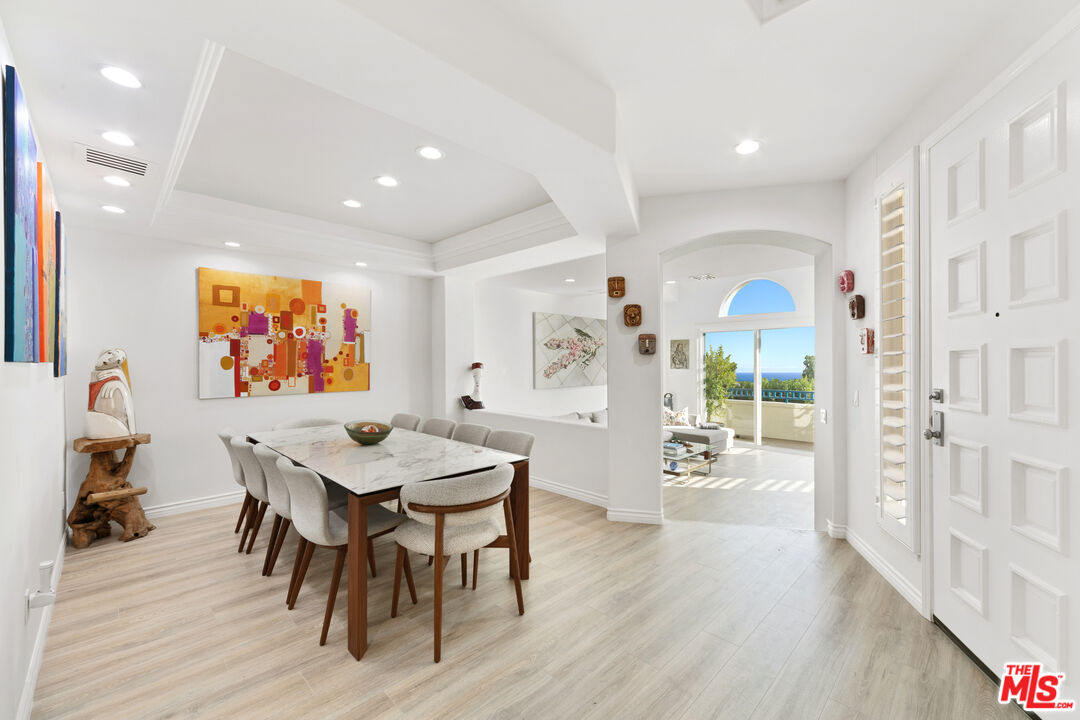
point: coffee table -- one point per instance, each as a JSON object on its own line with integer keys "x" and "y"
{"x": 690, "y": 460}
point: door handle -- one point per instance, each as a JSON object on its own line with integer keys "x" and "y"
{"x": 936, "y": 431}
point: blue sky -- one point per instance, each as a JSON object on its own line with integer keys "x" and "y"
{"x": 781, "y": 350}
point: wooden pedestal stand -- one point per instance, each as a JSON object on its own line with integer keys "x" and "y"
{"x": 105, "y": 494}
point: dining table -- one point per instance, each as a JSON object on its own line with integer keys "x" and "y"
{"x": 375, "y": 474}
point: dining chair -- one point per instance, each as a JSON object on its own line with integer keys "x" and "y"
{"x": 319, "y": 526}
{"x": 511, "y": 441}
{"x": 472, "y": 434}
{"x": 453, "y": 516}
{"x": 439, "y": 427}
{"x": 226, "y": 437}
{"x": 278, "y": 493}
{"x": 256, "y": 485}
{"x": 405, "y": 421}
{"x": 306, "y": 423}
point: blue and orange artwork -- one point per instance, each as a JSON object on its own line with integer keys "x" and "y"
{"x": 268, "y": 335}
{"x": 21, "y": 249}
{"x": 60, "y": 301}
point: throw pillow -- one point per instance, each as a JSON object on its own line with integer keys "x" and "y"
{"x": 669, "y": 415}
{"x": 682, "y": 417}
{"x": 600, "y": 417}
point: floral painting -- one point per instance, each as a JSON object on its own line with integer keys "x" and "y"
{"x": 569, "y": 351}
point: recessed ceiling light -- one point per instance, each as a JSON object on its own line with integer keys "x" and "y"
{"x": 117, "y": 181}
{"x": 118, "y": 138}
{"x": 360, "y": 263}
{"x": 669, "y": 282}
{"x": 429, "y": 153}
{"x": 352, "y": 203}
{"x": 387, "y": 181}
{"x": 121, "y": 77}
{"x": 569, "y": 280}
{"x": 231, "y": 243}
{"x": 748, "y": 147}
{"x": 113, "y": 209}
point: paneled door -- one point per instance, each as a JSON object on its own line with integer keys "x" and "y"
{"x": 1003, "y": 231}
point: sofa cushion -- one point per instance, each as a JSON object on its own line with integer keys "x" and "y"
{"x": 571, "y": 417}
{"x": 721, "y": 439}
{"x": 599, "y": 417}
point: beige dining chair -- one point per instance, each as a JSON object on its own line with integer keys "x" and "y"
{"x": 454, "y": 516}
{"x": 405, "y": 421}
{"x": 319, "y": 526}
{"x": 472, "y": 434}
{"x": 511, "y": 441}
{"x": 439, "y": 427}
{"x": 278, "y": 494}
{"x": 306, "y": 423}
{"x": 226, "y": 437}
{"x": 256, "y": 485}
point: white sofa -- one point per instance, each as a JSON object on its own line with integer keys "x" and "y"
{"x": 721, "y": 438}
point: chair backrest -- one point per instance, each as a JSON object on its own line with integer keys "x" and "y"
{"x": 253, "y": 474}
{"x": 276, "y": 490}
{"x": 461, "y": 490}
{"x": 306, "y": 422}
{"x": 439, "y": 427}
{"x": 511, "y": 441}
{"x": 308, "y": 502}
{"x": 226, "y": 437}
{"x": 405, "y": 421}
{"x": 472, "y": 434}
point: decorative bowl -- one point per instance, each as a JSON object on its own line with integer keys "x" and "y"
{"x": 367, "y": 438}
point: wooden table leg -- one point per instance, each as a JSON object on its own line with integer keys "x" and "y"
{"x": 519, "y": 504}
{"x": 358, "y": 541}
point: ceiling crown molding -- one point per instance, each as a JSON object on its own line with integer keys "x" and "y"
{"x": 539, "y": 226}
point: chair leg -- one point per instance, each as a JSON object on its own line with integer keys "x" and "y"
{"x": 273, "y": 541}
{"x": 249, "y": 522}
{"x": 285, "y": 523}
{"x": 301, "y": 544}
{"x": 308, "y": 550}
{"x": 464, "y": 569}
{"x": 430, "y": 559}
{"x": 243, "y": 511}
{"x": 409, "y": 578}
{"x": 398, "y": 563}
{"x": 475, "y": 566}
{"x": 339, "y": 563}
{"x": 371, "y": 556}
{"x": 258, "y": 524}
{"x": 439, "y": 566}
{"x": 515, "y": 565}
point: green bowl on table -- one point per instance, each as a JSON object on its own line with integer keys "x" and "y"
{"x": 368, "y": 433}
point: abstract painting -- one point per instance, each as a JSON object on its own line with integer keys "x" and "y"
{"x": 680, "y": 354}
{"x": 568, "y": 351}
{"x": 267, "y": 335}
{"x": 46, "y": 262}
{"x": 21, "y": 299}
{"x": 60, "y": 362}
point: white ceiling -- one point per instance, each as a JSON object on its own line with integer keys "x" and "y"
{"x": 733, "y": 261}
{"x": 269, "y": 139}
{"x": 820, "y": 86}
{"x": 588, "y": 273}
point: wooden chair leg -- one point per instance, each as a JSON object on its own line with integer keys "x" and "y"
{"x": 398, "y": 563}
{"x": 475, "y": 566}
{"x": 515, "y": 566}
{"x": 258, "y": 524}
{"x": 243, "y": 511}
{"x": 371, "y": 556}
{"x": 464, "y": 569}
{"x": 285, "y": 523}
{"x": 430, "y": 559}
{"x": 339, "y": 563}
{"x": 249, "y": 522}
{"x": 439, "y": 566}
{"x": 304, "y": 562}
{"x": 409, "y": 578}
{"x": 273, "y": 541}
{"x": 301, "y": 544}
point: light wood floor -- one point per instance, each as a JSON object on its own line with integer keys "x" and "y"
{"x": 685, "y": 620}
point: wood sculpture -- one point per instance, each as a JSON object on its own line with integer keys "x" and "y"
{"x": 106, "y": 495}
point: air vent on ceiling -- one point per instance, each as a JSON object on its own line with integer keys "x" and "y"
{"x": 105, "y": 159}
{"x": 703, "y": 276}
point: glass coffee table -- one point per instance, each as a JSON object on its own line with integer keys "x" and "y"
{"x": 699, "y": 457}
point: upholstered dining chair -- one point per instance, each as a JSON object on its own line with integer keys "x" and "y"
{"x": 511, "y": 441}
{"x": 472, "y": 434}
{"x": 278, "y": 493}
{"x": 454, "y": 516}
{"x": 319, "y": 526}
{"x": 256, "y": 485}
{"x": 306, "y": 423}
{"x": 439, "y": 427}
{"x": 405, "y": 421}
{"x": 226, "y": 437}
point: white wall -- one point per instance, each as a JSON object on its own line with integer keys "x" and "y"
{"x": 31, "y": 501}
{"x": 141, "y": 295}
{"x": 504, "y": 343}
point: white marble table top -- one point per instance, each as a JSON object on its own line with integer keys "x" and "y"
{"x": 404, "y": 456}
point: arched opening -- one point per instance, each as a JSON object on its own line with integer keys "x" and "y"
{"x": 756, "y": 297}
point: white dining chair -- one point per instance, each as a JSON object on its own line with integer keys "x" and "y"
{"x": 278, "y": 494}
{"x": 256, "y": 485}
{"x": 439, "y": 427}
{"x": 511, "y": 441}
{"x": 319, "y": 526}
{"x": 226, "y": 437}
{"x": 405, "y": 421}
{"x": 472, "y": 434}
{"x": 454, "y": 516}
{"x": 306, "y": 423}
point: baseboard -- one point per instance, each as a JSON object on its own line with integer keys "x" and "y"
{"x": 836, "y": 531}
{"x": 901, "y": 584}
{"x": 183, "y": 506}
{"x": 651, "y": 517}
{"x": 26, "y": 700}
{"x": 569, "y": 491}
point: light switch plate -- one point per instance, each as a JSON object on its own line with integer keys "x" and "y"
{"x": 824, "y": 416}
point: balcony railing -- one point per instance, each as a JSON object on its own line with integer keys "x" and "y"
{"x": 786, "y": 396}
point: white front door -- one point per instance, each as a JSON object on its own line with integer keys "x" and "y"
{"x": 1004, "y": 244}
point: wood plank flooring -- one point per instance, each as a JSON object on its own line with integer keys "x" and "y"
{"x": 686, "y": 620}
